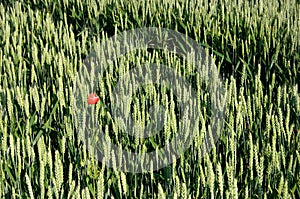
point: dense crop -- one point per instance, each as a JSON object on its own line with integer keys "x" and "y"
{"x": 256, "y": 46}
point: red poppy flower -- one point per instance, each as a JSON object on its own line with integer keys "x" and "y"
{"x": 93, "y": 99}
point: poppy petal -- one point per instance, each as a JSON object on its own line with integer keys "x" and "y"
{"x": 93, "y": 99}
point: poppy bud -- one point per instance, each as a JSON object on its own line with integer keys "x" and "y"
{"x": 93, "y": 99}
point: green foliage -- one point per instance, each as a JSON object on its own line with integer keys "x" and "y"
{"x": 255, "y": 45}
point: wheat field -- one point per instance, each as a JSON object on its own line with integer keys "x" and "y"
{"x": 255, "y": 46}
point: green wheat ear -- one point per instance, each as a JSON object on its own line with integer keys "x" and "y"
{"x": 28, "y": 182}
